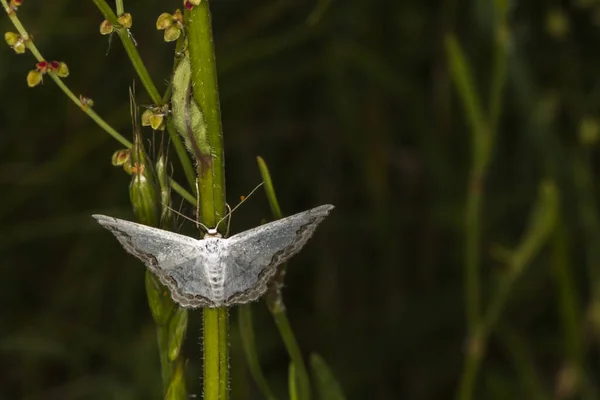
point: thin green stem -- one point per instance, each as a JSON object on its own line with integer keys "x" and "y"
{"x": 293, "y": 349}
{"x": 500, "y": 67}
{"x": 144, "y": 76}
{"x": 275, "y": 302}
{"x": 541, "y": 226}
{"x": 211, "y": 186}
{"x": 119, "y": 7}
{"x": 88, "y": 110}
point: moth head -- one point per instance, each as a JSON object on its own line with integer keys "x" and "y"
{"x": 211, "y": 233}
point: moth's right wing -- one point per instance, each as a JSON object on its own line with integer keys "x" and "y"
{"x": 177, "y": 260}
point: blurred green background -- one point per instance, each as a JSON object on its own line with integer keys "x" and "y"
{"x": 350, "y": 103}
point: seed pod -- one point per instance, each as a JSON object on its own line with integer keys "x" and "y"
{"x": 143, "y": 191}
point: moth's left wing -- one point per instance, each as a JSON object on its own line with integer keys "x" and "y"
{"x": 252, "y": 257}
{"x": 177, "y": 260}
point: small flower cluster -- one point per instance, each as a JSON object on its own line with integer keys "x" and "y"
{"x": 13, "y": 6}
{"x": 172, "y": 24}
{"x": 125, "y": 21}
{"x": 155, "y": 117}
{"x": 36, "y": 76}
{"x": 16, "y": 42}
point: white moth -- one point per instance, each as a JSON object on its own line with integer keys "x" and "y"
{"x": 213, "y": 271}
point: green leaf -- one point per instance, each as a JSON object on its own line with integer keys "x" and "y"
{"x": 177, "y": 390}
{"x": 159, "y": 299}
{"x": 464, "y": 81}
{"x": 177, "y": 329}
{"x": 328, "y": 387}
{"x": 269, "y": 189}
{"x": 292, "y": 382}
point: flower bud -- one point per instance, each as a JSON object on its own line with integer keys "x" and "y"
{"x": 143, "y": 188}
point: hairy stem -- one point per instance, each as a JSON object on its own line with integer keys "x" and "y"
{"x": 211, "y": 187}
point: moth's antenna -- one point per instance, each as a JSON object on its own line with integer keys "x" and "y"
{"x": 198, "y": 223}
{"x": 239, "y": 204}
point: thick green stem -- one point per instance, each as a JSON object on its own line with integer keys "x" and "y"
{"x": 211, "y": 186}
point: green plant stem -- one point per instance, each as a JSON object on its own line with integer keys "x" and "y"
{"x": 291, "y": 344}
{"x": 119, "y": 7}
{"x": 249, "y": 343}
{"x": 541, "y": 226}
{"x": 88, "y": 110}
{"x": 275, "y": 302}
{"x": 211, "y": 187}
{"x": 483, "y": 131}
{"x": 568, "y": 302}
{"x": 590, "y": 222}
{"x": 151, "y": 89}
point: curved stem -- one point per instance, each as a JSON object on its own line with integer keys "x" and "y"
{"x": 144, "y": 76}
{"x": 88, "y": 110}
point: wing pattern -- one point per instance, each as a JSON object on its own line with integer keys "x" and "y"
{"x": 253, "y": 256}
{"x": 177, "y": 260}
{"x": 217, "y": 272}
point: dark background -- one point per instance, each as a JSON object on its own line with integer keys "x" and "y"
{"x": 357, "y": 110}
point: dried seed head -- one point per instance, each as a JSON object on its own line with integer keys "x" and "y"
{"x": 120, "y": 157}
{"x": 171, "y": 24}
{"x": 155, "y": 118}
{"x": 164, "y": 21}
{"x": 86, "y": 102}
{"x": 106, "y": 28}
{"x": 125, "y": 20}
{"x": 172, "y": 33}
